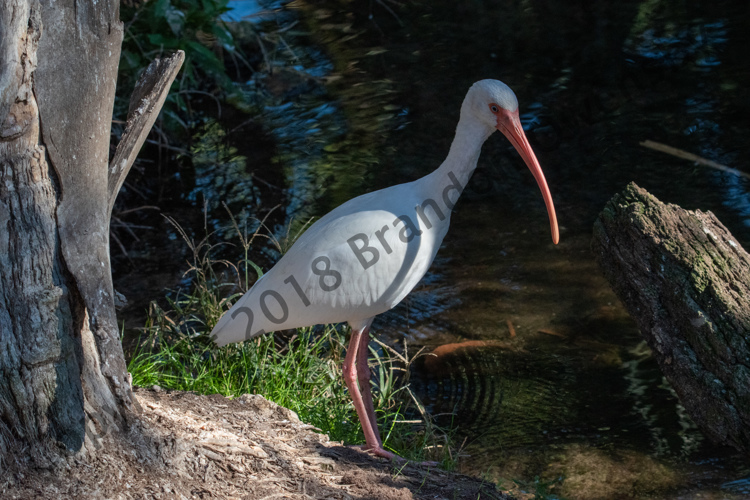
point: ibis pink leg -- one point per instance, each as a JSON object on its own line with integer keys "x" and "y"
{"x": 353, "y": 380}
{"x": 357, "y": 379}
{"x": 363, "y": 376}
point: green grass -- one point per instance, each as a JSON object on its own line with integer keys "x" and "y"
{"x": 300, "y": 371}
{"x": 302, "y": 374}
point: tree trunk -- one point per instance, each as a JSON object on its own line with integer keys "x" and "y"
{"x": 686, "y": 281}
{"x": 62, "y": 371}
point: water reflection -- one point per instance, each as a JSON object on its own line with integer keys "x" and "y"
{"x": 502, "y": 397}
{"x": 739, "y": 487}
{"x": 666, "y": 43}
{"x": 508, "y": 396}
{"x": 328, "y": 138}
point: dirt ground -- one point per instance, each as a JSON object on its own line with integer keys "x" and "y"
{"x": 189, "y": 446}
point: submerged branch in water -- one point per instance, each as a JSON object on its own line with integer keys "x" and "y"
{"x": 679, "y": 153}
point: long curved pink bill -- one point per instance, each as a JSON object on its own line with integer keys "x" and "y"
{"x": 516, "y": 136}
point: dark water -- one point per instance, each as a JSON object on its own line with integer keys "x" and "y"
{"x": 361, "y": 98}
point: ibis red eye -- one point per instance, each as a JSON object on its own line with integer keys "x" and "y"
{"x": 494, "y": 108}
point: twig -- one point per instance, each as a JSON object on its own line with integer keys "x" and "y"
{"x": 134, "y": 38}
{"x": 119, "y": 223}
{"x": 255, "y": 177}
{"x": 119, "y": 244}
{"x": 203, "y": 92}
{"x": 287, "y": 28}
{"x": 167, "y": 146}
{"x": 390, "y": 11}
{"x": 679, "y": 153}
{"x": 128, "y": 226}
{"x": 135, "y": 190}
{"x": 250, "y": 120}
{"x": 238, "y": 55}
{"x": 288, "y": 48}
{"x": 265, "y": 54}
{"x": 552, "y": 332}
{"x": 144, "y": 207}
{"x": 511, "y": 329}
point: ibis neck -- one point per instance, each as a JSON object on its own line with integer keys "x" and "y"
{"x": 462, "y": 157}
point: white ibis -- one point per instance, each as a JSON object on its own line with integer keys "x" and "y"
{"x": 365, "y": 256}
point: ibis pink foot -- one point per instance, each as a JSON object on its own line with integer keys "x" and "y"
{"x": 381, "y": 452}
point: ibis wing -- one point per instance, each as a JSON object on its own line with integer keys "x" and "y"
{"x": 350, "y": 265}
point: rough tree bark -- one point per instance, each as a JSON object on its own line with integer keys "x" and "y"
{"x": 62, "y": 372}
{"x": 686, "y": 281}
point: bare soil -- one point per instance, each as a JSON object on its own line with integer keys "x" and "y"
{"x": 186, "y": 446}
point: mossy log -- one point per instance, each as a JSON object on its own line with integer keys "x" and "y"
{"x": 686, "y": 281}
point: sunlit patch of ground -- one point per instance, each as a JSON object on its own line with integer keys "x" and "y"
{"x": 189, "y": 446}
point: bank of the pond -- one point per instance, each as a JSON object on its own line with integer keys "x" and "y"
{"x": 188, "y": 446}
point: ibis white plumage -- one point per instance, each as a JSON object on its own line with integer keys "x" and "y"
{"x": 365, "y": 256}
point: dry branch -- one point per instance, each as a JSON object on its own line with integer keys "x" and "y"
{"x": 679, "y": 153}
{"x": 148, "y": 97}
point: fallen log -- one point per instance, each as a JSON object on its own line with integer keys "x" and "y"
{"x": 685, "y": 280}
